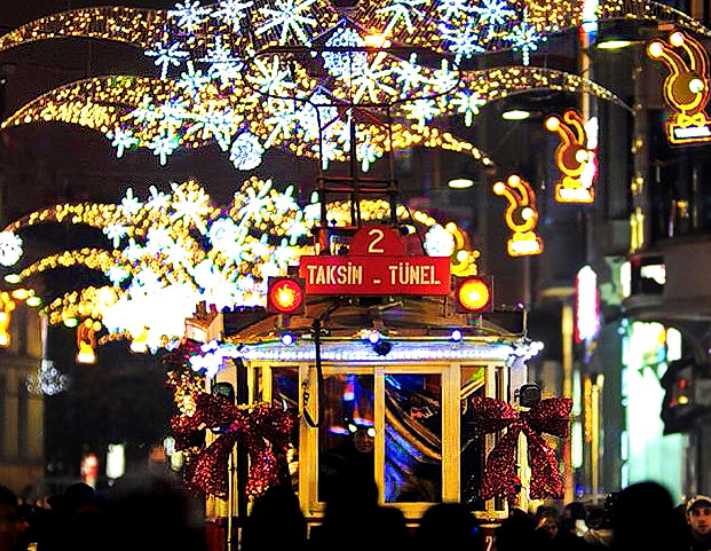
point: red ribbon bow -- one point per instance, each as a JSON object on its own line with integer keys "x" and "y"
{"x": 263, "y": 429}
{"x": 550, "y": 416}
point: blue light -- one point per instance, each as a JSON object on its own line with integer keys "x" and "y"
{"x": 287, "y": 339}
{"x": 456, "y": 335}
{"x": 374, "y": 337}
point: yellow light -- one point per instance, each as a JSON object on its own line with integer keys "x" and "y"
{"x": 515, "y": 115}
{"x": 527, "y": 213}
{"x": 460, "y": 183}
{"x": 71, "y": 322}
{"x": 581, "y": 156}
{"x": 552, "y": 124}
{"x": 462, "y": 255}
{"x": 12, "y": 279}
{"x": 4, "y": 339}
{"x": 375, "y": 40}
{"x": 474, "y": 295}
{"x": 21, "y": 294}
{"x": 499, "y": 188}
{"x": 613, "y": 44}
{"x": 86, "y": 356}
{"x": 655, "y": 49}
{"x": 676, "y": 39}
{"x": 683, "y": 400}
{"x": 34, "y": 302}
{"x": 696, "y": 85}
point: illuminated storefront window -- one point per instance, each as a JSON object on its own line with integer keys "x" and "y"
{"x": 647, "y": 349}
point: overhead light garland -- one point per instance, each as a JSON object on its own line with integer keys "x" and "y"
{"x": 221, "y": 83}
{"x": 176, "y": 250}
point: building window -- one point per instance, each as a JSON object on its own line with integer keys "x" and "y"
{"x": 23, "y": 404}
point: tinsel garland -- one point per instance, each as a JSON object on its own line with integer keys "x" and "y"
{"x": 551, "y": 416}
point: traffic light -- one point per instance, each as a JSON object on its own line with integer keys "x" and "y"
{"x": 687, "y": 395}
{"x": 286, "y": 295}
{"x": 474, "y": 294}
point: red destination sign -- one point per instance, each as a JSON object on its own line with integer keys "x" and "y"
{"x": 376, "y": 266}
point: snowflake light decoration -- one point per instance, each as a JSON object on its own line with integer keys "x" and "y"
{"x": 184, "y": 251}
{"x": 217, "y": 62}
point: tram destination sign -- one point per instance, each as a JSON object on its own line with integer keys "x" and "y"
{"x": 377, "y": 265}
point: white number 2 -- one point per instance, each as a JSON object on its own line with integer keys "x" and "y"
{"x": 378, "y": 236}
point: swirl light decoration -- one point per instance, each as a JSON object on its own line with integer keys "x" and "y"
{"x": 521, "y": 216}
{"x": 687, "y": 87}
{"x": 575, "y": 157}
{"x": 250, "y": 75}
{"x": 173, "y": 251}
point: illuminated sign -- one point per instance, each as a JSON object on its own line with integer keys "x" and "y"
{"x": 587, "y": 306}
{"x": 521, "y": 216}
{"x": 377, "y": 265}
{"x": 575, "y": 157}
{"x": 686, "y": 87}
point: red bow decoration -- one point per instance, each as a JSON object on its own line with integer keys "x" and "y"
{"x": 550, "y": 416}
{"x": 263, "y": 429}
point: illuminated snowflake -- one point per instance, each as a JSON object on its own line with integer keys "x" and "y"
{"x": 284, "y": 121}
{"x": 255, "y": 206}
{"x": 232, "y": 12}
{"x": 226, "y": 237}
{"x": 130, "y": 204}
{"x": 409, "y": 74}
{"x": 444, "y": 79}
{"x": 462, "y": 41}
{"x": 116, "y": 232}
{"x": 317, "y": 114}
{"x": 158, "y": 240}
{"x": 297, "y": 229}
{"x": 218, "y": 289}
{"x": 163, "y": 146}
{"x": 215, "y": 124}
{"x": 493, "y": 13}
{"x": 122, "y": 140}
{"x": 246, "y": 152}
{"x": 117, "y": 275}
{"x": 190, "y": 15}
{"x": 451, "y": 9}
{"x": 224, "y": 64}
{"x": 284, "y": 202}
{"x": 468, "y": 104}
{"x": 525, "y": 38}
{"x": 367, "y": 154}
{"x": 421, "y": 110}
{"x": 372, "y": 81}
{"x": 133, "y": 252}
{"x": 10, "y": 248}
{"x": 158, "y": 199}
{"x": 272, "y": 80}
{"x": 145, "y": 112}
{"x": 167, "y": 56}
{"x": 191, "y": 207}
{"x": 403, "y": 11}
{"x": 288, "y": 15}
{"x": 192, "y": 81}
{"x": 345, "y": 64}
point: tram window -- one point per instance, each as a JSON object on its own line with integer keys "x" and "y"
{"x": 473, "y": 383}
{"x": 285, "y": 395}
{"x": 413, "y": 438}
{"x": 347, "y": 433}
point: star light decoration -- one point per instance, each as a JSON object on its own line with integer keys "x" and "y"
{"x": 173, "y": 251}
{"x": 250, "y": 75}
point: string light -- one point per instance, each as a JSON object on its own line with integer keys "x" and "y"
{"x": 210, "y": 89}
{"x": 175, "y": 250}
